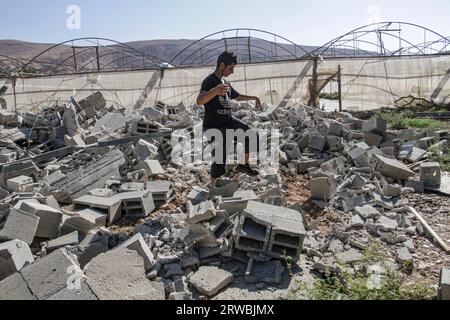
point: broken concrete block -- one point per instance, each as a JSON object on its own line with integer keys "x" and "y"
{"x": 201, "y": 212}
{"x": 15, "y": 288}
{"x": 145, "y": 150}
{"x": 358, "y": 157}
{"x": 349, "y": 257}
{"x": 210, "y": 280}
{"x": 70, "y": 239}
{"x": 80, "y": 292}
{"x": 269, "y": 272}
{"x": 375, "y": 125}
{"x": 7, "y": 155}
{"x": 335, "y": 128}
{"x": 270, "y": 229}
{"x": 386, "y": 224}
{"x": 224, "y": 188}
{"x": 81, "y": 181}
{"x": 19, "y": 225}
{"x": 404, "y": 257}
{"x": 110, "y": 122}
{"x": 418, "y": 186}
{"x": 138, "y": 244}
{"x": 322, "y": 188}
{"x": 160, "y": 189}
{"x": 19, "y": 183}
{"x": 85, "y": 221}
{"x": 392, "y": 168}
{"x": 50, "y": 218}
{"x": 292, "y": 151}
{"x": 356, "y": 222}
{"x": 372, "y": 139}
{"x": 92, "y": 104}
{"x": 444, "y": 284}
{"x": 50, "y": 274}
{"x": 430, "y": 174}
{"x": 198, "y": 195}
{"x": 416, "y": 155}
{"x": 108, "y": 206}
{"x": 304, "y": 165}
{"x": 152, "y": 167}
{"x": 136, "y": 204}
{"x": 367, "y": 212}
{"x": 317, "y": 142}
{"x": 351, "y": 203}
{"x": 104, "y": 192}
{"x": 76, "y": 140}
{"x": 14, "y": 255}
{"x": 119, "y": 275}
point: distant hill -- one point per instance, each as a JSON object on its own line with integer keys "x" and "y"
{"x": 122, "y": 57}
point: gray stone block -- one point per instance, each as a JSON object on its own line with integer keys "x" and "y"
{"x": 444, "y": 284}
{"x": 104, "y": 192}
{"x": 18, "y": 184}
{"x": 70, "y": 239}
{"x": 19, "y": 225}
{"x": 109, "y": 206}
{"x": 269, "y": 272}
{"x": 50, "y": 219}
{"x": 136, "y": 204}
{"x": 317, "y": 142}
{"x": 152, "y": 167}
{"x": 198, "y": 195}
{"x": 84, "y": 293}
{"x": 138, "y": 244}
{"x": 322, "y": 188}
{"x": 14, "y": 255}
{"x": 15, "y": 288}
{"x": 50, "y": 274}
{"x": 430, "y": 174}
{"x": 210, "y": 280}
{"x": 375, "y": 125}
{"x": 119, "y": 275}
{"x": 200, "y": 212}
{"x": 392, "y": 168}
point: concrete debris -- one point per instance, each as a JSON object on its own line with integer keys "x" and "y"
{"x": 96, "y": 191}
{"x": 444, "y": 284}
{"x": 210, "y": 280}
{"x": 14, "y": 255}
{"x": 120, "y": 275}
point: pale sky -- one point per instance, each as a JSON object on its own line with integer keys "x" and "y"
{"x": 301, "y": 21}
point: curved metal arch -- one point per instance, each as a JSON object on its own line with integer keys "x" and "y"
{"x": 380, "y": 25}
{"x": 206, "y": 57}
{"x": 249, "y": 30}
{"x": 202, "y": 54}
{"x": 154, "y": 60}
{"x": 211, "y": 59}
{"x": 67, "y": 59}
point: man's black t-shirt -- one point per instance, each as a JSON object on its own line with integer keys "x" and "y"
{"x": 218, "y": 110}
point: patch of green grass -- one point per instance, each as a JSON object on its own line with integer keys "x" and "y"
{"x": 405, "y": 119}
{"x": 443, "y": 157}
{"x": 363, "y": 284}
{"x": 329, "y": 96}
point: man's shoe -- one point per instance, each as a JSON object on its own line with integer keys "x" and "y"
{"x": 247, "y": 170}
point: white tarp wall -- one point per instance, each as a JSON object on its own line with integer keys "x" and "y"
{"x": 366, "y": 83}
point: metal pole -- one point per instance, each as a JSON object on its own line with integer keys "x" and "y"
{"x": 314, "y": 89}
{"x": 74, "y": 59}
{"x": 14, "y": 92}
{"x": 340, "y": 88}
{"x": 98, "y": 59}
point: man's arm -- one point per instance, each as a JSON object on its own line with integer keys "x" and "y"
{"x": 242, "y": 97}
{"x": 206, "y": 96}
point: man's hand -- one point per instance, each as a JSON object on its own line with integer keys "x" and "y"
{"x": 258, "y": 103}
{"x": 221, "y": 90}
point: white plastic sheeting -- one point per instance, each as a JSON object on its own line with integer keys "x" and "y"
{"x": 366, "y": 83}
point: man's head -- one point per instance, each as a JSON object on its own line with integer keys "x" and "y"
{"x": 226, "y": 63}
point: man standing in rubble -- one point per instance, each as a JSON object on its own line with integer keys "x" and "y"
{"x": 216, "y": 95}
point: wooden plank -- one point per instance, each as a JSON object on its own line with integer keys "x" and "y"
{"x": 435, "y": 236}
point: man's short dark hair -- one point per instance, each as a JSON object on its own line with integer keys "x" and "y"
{"x": 227, "y": 58}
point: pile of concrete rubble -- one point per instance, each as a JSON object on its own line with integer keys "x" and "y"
{"x": 73, "y": 177}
